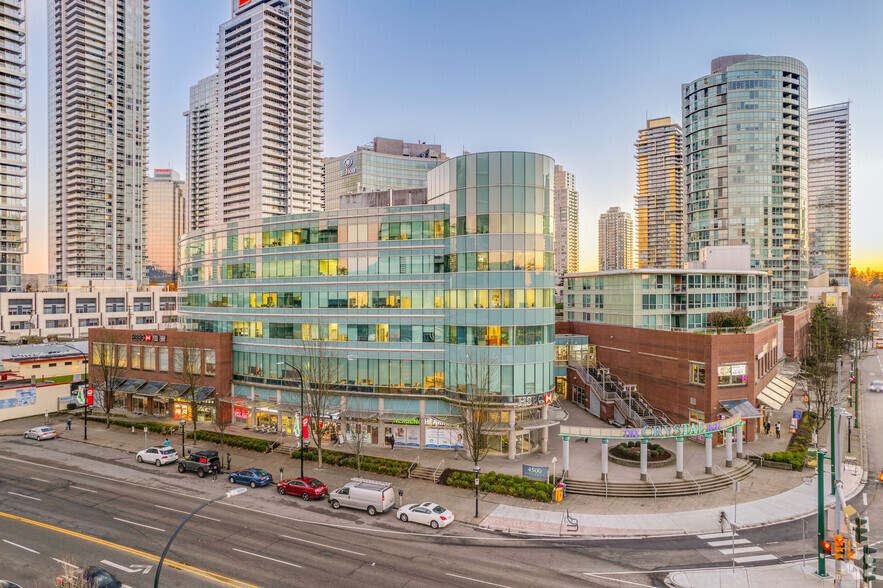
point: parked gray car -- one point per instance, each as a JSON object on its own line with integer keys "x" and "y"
{"x": 876, "y": 386}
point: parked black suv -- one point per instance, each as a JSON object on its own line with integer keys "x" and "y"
{"x": 201, "y": 462}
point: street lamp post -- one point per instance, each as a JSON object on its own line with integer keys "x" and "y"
{"x": 476, "y": 469}
{"x": 232, "y": 492}
{"x": 300, "y": 423}
{"x": 183, "y": 453}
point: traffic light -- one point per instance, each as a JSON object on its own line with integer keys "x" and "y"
{"x": 850, "y": 552}
{"x": 826, "y": 547}
{"x": 868, "y": 568}
{"x": 839, "y": 547}
{"x": 861, "y": 529}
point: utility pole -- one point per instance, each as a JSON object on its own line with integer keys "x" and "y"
{"x": 855, "y": 348}
{"x": 821, "y": 515}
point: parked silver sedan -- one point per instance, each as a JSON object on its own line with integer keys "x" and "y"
{"x": 41, "y": 433}
{"x": 876, "y": 386}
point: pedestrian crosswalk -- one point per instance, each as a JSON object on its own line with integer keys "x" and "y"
{"x": 737, "y": 547}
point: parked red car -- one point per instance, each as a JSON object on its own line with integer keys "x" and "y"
{"x": 306, "y": 488}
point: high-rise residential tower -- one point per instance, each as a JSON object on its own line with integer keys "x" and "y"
{"x": 202, "y": 154}
{"x": 165, "y": 215}
{"x": 616, "y": 246}
{"x": 382, "y": 164}
{"x": 566, "y": 216}
{"x": 13, "y": 147}
{"x": 830, "y": 193}
{"x": 659, "y": 203}
{"x": 270, "y": 111}
{"x": 98, "y": 131}
{"x": 745, "y": 158}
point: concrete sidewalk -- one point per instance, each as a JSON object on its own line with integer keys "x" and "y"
{"x": 793, "y": 504}
{"x": 769, "y": 495}
{"x": 790, "y": 574}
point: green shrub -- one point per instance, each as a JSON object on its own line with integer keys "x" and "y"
{"x": 502, "y": 484}
{"x": 377, "y": 465}
{"x": 795, "y": 453}
{"x": 139, "y": 425}
{"x": 250, "y": 443}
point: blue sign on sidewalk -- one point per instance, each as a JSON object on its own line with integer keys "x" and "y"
{"x": 796, "y": 415}
{"x": 538, "y": 472}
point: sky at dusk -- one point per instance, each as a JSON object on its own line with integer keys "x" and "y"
{"x": 573, "y": 80}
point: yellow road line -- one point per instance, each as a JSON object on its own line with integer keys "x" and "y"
{"x": 205, "y": 574}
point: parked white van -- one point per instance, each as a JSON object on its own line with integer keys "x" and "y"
{"x": 370, "y": 495}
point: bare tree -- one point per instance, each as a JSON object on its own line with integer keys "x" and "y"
{"x": 219, "y": 422}
{"x": 318, "y": 363}
{"x": 355, "y": 430}
{"x": 189, "y": 372}
{"x": 107, "y": 365}
{"x": 476, "y": 404}
{"x": 826, "y": 341}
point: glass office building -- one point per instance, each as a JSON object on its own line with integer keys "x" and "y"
{"x": 745, "y": 158}
{"x": 405, "y": 298}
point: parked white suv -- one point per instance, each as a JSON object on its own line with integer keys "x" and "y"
{"x": 157, "y": 455}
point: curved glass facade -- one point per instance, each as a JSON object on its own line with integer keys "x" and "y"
{"x": 401, "y": 295}
{"x": 745, "y": 146}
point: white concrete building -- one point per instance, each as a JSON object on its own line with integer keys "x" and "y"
{"x": 98, "y": 133}
{"x": 270, "y": 111}
{"x": 830, "y": 191}
{"x": 202, "y": 154}
{"x": 566, "y": 227}
{"x": 616, "y": 244}
{"x": 70, "y": 313}
{"x": 13, "y": 146}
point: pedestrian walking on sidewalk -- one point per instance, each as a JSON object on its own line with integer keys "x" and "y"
{"x": 392, "y": 443}
{"x": 778, "y": 430}
{"x": 68, "y": 424}
{"x": 766, "y": 427}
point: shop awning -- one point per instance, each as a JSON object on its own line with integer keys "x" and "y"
{"x": 151, "y": 388}
{"x": 131, "y": 385}
{"x": 741, "y": 407}
{"x": 366, "y": 415}
{"x": 398, "y": 416}
{"x": 286, "y": 407}
{"x": 172, "y": 391}
{"x": 447, "y": 419}
{"x": 203, "y": 392}
{"x": 115, "y": 382}
{"x": 535, "y": 423}
{"x": 776, "y": 393}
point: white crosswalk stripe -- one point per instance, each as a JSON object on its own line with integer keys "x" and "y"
{"x": 730, "y": 542}
{"x": 751, "y": 558}
{"x": 751, "y": 549}
{"x": 732, "y": 545}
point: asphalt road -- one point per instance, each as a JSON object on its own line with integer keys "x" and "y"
{"x": 63, "y": 502}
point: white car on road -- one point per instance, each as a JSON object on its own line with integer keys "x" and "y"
{"x": 428, "y": 513}
{"x": 41, "y": 433}
{"x": 876, "y": 386}
{"x": 157, "y": 455}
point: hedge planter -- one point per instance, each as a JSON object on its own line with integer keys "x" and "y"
{"x": 499, "y": 484}
{"x": 629, "y": 454}
{"x": 795, "y": 454}
{"x": 369, "y": 463}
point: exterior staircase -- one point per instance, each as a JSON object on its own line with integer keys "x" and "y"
{"x": 635, "y": 409}
{"x": 684, "y": 487}
{"x": 426, "y": 473}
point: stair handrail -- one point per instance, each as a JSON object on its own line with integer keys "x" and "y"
{"x": 652, "y": 484}
{"x": 759, "y": 457}
{"x": 435, "y": 472}
{"x": 724, "y": 472}
{"x": 698, "y": 486}
{"x": 413, "y": 465}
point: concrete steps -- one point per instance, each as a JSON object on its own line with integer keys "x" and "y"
{"x": 638, "y": 489}
{"x": 425, "y": 473}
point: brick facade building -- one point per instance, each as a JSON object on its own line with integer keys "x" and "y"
{"x": 152, "y": 375}
{"x": 684, "y": 375}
